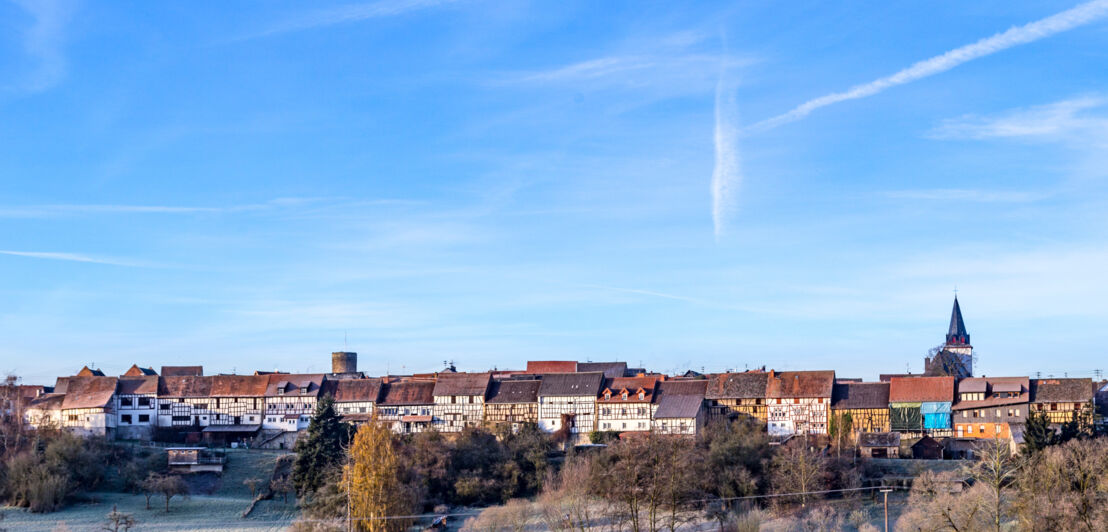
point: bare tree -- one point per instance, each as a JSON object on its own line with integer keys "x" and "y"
{"x": 797, "y": 469}
{"x": 168, "y": 486}
{"x": 1064, "y": 488}
{"x": 253, "y": 484}
{"x": 996, "y": 468}
{"x": 566, "y": 503}
{"x": 118, "y": 520}
{"x": 513, "y": 516}
{"x": 941, "y": 502}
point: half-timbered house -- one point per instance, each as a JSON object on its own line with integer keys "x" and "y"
{"x": 679, "y": 406}
{"x": 858, "y": 407}
{"x": 989, "y": 407}
{"x": 734, "y": 395}
{"x": 567, "y": 403}
{"x": 354, "y": 398}
{"x": 460, "y": 400}
{"x": 183, "y": 402}
{"x": 407, "y": 406}
{"x": 799, "y": 401}
{"x": 625, "y": 404}
{"x": 136, "y": 405}
{"x": 88, "y": 407}
{"x": 45, "y": 410}
{"x": 236, "y": 408}
{"x": 290, "y": 400}
{"x": 921, "y": 405}
{"x": 513, "y": 402}
{"x": 1063, "y": 400}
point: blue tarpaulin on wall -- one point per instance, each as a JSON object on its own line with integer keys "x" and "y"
{"x": 936, "y": 415}
{"x": 936, "y": 421}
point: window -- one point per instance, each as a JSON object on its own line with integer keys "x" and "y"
{"x": 126, "y": 418}
{"x": 969, "y": 429}
{"x": 144, "y": 418}
{"x": 997, "y": 412}
{"x": 164, "y": 406}
{"x": 965, "y": 413}
{"x": 1017, "y": 412}
{"x": 125, "y": 401}
{"x": 982, "y": 429}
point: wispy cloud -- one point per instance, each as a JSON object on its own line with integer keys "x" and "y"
{"x": 1058, "y": 120}
{"x": 726, "y": 176}
{"x": 344, "y": 14}
{"x": 71, "y": 257}
{"x": 1054, "y": 24}
{"x": 306, "y": 204}
{"x": 969, "y": 195}
{"x": 44, "y": 41}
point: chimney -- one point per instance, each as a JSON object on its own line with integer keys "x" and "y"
{"x": 770, "y": 373}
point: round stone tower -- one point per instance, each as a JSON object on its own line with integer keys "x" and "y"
{"x": 344, "y": 362}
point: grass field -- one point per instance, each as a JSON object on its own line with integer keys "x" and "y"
{"x": 221, "y": 510}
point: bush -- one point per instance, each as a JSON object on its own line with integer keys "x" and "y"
{"x": 34, "y": 486}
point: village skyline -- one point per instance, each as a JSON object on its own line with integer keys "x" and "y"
{"x": 710, "y": 185}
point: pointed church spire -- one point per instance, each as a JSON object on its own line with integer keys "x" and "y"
{"x": 957, "y": 334}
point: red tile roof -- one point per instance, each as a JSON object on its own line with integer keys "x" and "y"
{"x": 452, "y": 384}
{"x": 138, "y": 385}
{"x": 353, "y": 390}
{"x": 184, "y": 386}
{"x": 921, "y": 390}
{"x": 89, "y": 392}
{"x": 408, "y": 393}
{"x": 551, "y": 366}
{"x": 798, "y": 384}
{"x": 239, "y": 385}
{"x": 292, "y": 383}
{"x": 182, "y": 371}
{"x": 632, "y": 385}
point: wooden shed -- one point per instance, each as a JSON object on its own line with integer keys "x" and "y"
{"x": 879, "y": 444}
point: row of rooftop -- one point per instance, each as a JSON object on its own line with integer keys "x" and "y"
{"x": 567, "y": 396}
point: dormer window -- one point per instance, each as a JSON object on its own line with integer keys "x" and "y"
{"x": 642, "y": 395}
{"x": 304, "y": 390}
{"x": 607, "y": 395}
{"x": 624, "y": 395}
{"x": 280, "y": 391}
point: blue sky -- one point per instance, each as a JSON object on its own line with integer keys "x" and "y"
{"x": 716, "y": 184}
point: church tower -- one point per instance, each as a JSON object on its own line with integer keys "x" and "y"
{"x": 957, "y": 339}
{"x": 955, "y": 356}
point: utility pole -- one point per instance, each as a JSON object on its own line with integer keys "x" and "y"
{"x": 886, "y": 492}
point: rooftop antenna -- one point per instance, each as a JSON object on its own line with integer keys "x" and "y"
{"x": 1038, "y": 374}
{"x": 1099, "y": 374}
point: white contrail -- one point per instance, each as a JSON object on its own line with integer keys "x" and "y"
{"x": 72, "y": 257}
{"x": 1066, "y": 20}
{"x": 726, "y": 176}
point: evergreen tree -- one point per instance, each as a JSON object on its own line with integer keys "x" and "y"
{"x": 1037, "y": 433}
{"x": 321, "y": 449}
